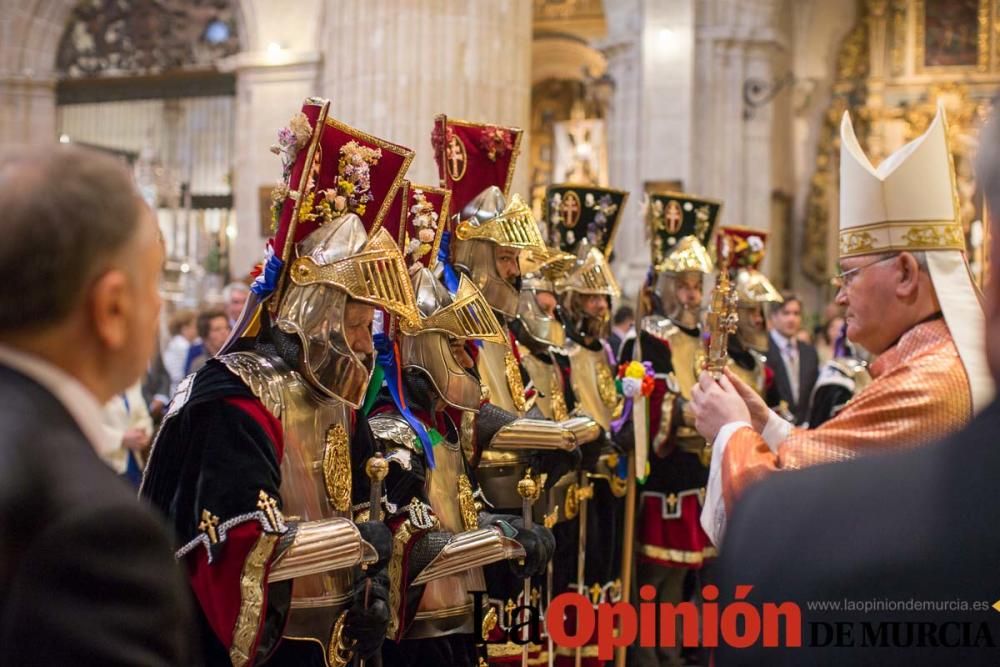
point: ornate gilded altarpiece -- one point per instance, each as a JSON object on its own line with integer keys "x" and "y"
{"x": 900, "y": 59}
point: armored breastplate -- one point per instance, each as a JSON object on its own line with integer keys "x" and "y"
{"x": 547, "y": 380}
{"x": 315, "y": 477}
{"x": 752, "y": 376}
{"x": 446, "y": 604}
{"x": 593, "y": 382}
{"x": 498, "y": 371}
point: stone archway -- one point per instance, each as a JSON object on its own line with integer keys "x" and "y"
{"x": 31, "y": 32}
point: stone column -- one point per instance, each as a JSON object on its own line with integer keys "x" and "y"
{"x": 389, "y": 67}
{"x": 650, "y": 52}
{"x": 27, "y": 110}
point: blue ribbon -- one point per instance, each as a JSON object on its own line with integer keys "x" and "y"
{"x": 448, "y": 275}
{"x": 267, "y": 281}
{"x": 386, "y": 358}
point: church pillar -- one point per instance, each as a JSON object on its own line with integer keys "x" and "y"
{"x": 391, "y": 66}
{"x": 650, "y": 58}
{"x": 734, "y": 137}
{"x": 27, "y": 110}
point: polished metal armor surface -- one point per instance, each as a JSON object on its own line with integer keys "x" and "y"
{"x": 492, "y": 365}
{"x": 547, "y": 379}
{"x": 593, "y": 381}
{"x": 315, "y": 479}
{"x": 336, "y": 262}
{"x": 445, "y": 318}
{"x": 446, "y": 604}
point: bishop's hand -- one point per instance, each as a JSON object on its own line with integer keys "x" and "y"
{"x": 716, "y": 403}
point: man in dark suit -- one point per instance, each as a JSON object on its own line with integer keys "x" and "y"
{"x": 895, "y": 532}
{"x": 794, "y": 362}
{"x": 87, "y": 574}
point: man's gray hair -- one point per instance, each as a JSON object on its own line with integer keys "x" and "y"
{"x": 235, "y": 286}
{"x": 66, "y": 211}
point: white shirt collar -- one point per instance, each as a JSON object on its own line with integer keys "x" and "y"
{"x": 781, "y": 341}
{"x": 81, "y": 404}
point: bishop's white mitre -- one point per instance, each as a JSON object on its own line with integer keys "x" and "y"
{"x": 910, "y": 203}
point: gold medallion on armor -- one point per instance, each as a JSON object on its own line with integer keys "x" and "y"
{"x": 606, "y": 386}
{"x": 466, "y": 504}
{"x": 337, "y": 468}
{"x": 514, "y": 381}
{"x": 558, "y": 401}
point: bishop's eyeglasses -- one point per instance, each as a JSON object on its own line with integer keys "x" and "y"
{"x": 844, "y": 279}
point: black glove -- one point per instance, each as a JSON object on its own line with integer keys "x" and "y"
{"x": 555, "y": 464}
{"x": 590, "y": 452}
{"x": 539, "y": 546}
{"x": 379, "y": 536}
{"x": 624, "y": 440}
{"x": 367, "y": 625}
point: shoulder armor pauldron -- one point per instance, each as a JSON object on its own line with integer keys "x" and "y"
{"x": 260, "y": 375}
{"x": 661, "y": 327}
{"x": 393, "y": 428}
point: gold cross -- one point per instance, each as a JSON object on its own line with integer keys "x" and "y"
{"x": 510, "y": 612}
{"x": 207, "y": 525}
{"x": 270, "y": 507}
{"x": 672, "y": 501}
{"x": 455, "y": 158}
{"x": 674, "y": 217}
{"x": 571, "y": 209}
{"x": 535, "y": 597}
{"x": 595, "y": 592}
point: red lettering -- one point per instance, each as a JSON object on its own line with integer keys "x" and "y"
{"x": 555, "y": 620}
{"x": 607, "y": 636}
{"x": 647, "y": 617}
{"x": 793, "y": 623}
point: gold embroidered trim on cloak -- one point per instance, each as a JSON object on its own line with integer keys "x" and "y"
{"x": 251, "y": 599}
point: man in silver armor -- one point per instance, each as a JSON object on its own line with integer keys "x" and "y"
{"x": 670, "y": 540}
{"x": 582, "y": 222}
{"x": 444, "y": 529}
{"x": 510, "y": 438}
{"x": 261, "y": 460}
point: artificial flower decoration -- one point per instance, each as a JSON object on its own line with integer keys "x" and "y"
{"x": 423, "y": 219}
{"x": 496, "y": 141}
{"x": 636, "y": 379}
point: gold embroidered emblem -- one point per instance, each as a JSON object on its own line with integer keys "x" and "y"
{"x": 570, "y": 209}
{"x": 595, "y": 592}
{"x": 251, "y": 599}
{"x": 337, "y": 468}
{"x": 558, "y": 400}
{"x": 456, "y": 158}
{"x": 673, "y": 217}
{"x": 572, "y": 504}
{"x": 509, "y": 608}
{"x": 269, "y": 506}
{"x": 489, "y": 622}
{"x": 208, "y": 526}
{"x": 467, "y": 505}
{"x": 338, "y": 653}
{"x": 606, "y": 386}
{"x": 514, "y": 381}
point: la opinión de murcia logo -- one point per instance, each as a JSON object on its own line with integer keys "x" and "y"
{"x": 737, "y": 624}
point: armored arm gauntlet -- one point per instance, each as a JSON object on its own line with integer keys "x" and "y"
{"x": 321, "y": 546}
{"x": 455, "y": 553}
{"x": 500, "y": 429}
